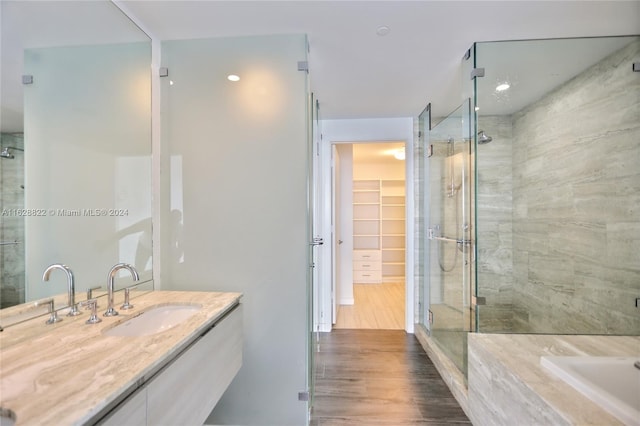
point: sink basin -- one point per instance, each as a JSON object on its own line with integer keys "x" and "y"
{"x": 153, "y": 320}
{"x": 7, "y": 417}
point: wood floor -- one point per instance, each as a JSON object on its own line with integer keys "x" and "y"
{"x": 377, "y": 306}
{"x": 379, "y": 377}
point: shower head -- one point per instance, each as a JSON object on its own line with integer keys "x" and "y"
{"x": 6, "y": 154}
{"x": 483, "y": 137}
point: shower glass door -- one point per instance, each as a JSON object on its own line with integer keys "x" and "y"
{"x": 449, "y": 234}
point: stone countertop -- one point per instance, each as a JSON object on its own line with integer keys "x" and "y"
{"x": 19, "y": 320}
{"x": 520, "y": 354}
{"x": 73, "y": 374}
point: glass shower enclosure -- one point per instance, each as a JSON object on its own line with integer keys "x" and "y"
{"x": 558, "y": 186}
{"x": 449, "y": 233}
{"x": 531, "y": 194}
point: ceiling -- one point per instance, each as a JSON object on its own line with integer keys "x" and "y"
{"x": 357, "y": 74}
{"x": 354, "y": 72}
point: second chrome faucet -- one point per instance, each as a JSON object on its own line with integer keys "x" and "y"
{"x": 111, "y": 311}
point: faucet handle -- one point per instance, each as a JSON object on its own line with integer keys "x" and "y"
{"x": 93, "y": 305}
{"x": 53, "y": 315}
{"x": 126, "y": 305}
{"x": 90, "y": 293}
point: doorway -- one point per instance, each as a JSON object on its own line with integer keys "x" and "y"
{"x": 370, "y": 216}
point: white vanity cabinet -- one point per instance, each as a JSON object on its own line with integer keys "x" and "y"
{"x": 131, "y": 412}
{"x": 185, "y": 391}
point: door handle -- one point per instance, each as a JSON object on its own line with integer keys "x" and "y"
{"x": 317, "y": 241}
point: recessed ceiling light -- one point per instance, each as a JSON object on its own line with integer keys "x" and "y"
{"x": 502, "y": 87}
{"x": 233, "y": 77}
{"x": 383, "y": 30}
{"x": 399, "y": 154}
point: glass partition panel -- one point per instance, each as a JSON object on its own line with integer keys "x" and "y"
{"x": 558, "y": 186}
{"x": 235, "y": 205}
{"x": 449, "y": 234}
{"x": 421, "y": 191}
{"x": 313, "y": 140}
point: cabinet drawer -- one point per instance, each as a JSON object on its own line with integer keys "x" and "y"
{"x": 367, "y": 276}
{"x": 366, "y": 255}
{"x": 367, "y": 265}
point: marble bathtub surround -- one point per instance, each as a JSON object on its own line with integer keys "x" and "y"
{"x": 35, "y": 373}
{"x": 508, "y": 385}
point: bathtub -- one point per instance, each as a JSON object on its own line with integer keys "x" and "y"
{"x": 611, "y": 382}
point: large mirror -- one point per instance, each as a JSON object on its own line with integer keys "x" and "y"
{"x": 75, "y": 159}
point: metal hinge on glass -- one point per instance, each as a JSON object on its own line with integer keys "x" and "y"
{"x": 478, "y": 301}
{"x": 303, "y": 396}
{"x": 477, "y": 72}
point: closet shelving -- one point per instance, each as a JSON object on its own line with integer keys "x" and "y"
{"x": 393, "y": 229}
{"x": 367, "y": 265}
{"x": 366, "y": 215}
{"x": 378, "y": 230}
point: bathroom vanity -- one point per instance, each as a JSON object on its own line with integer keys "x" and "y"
{"x": 168, "y": 360}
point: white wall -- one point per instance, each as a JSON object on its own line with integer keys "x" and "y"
{"x": 344, "y": 231}
{"x": 363, "y": 130}
{"x": 234, "y": 206}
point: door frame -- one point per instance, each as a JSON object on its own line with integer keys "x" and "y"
{"x": 363, "y": 131}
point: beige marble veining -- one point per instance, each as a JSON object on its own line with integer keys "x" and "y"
{"x": 507, "y": 381}
{"x": 24, "y": 311}
{"x": 23, "y": 322}
{"x": 71, "y": 372}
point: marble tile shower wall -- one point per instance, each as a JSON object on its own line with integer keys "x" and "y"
{"x": 576, "y": 227}
{"x": 495, "y": 225}
{"x": 12, "y": 285}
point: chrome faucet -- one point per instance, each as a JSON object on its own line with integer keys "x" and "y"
{"x": 53, "y": 315}
{"x": 73, "y": 311}
{"x": 111, "y": 284}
